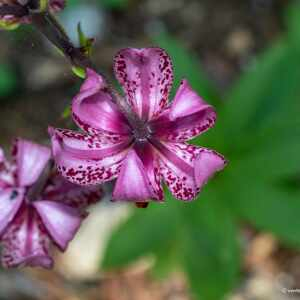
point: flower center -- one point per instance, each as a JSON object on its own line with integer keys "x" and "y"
{"x": 14, "y": 195}
{"x": 142, "y": 133}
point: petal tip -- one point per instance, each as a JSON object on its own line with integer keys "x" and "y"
{"x": 207, "y": 164}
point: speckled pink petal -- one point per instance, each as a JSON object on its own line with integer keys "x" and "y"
{"x": 85, "y": 160}
{"x": 133, "y": 183}
{"x": 2, "y": 156}
{"x": 207, "y": 163}
{"x": 25, "y": 242}
{"x": 60, "y": 190}
{"x": 6, "y": 177}
{"x": 57, "y": 5}
{"x": 94, "y": 111}
{"x": 151, "y": 164}
{"x": 61, "y": 221}
{"x": 177, "y": 168}
{"x": 146, "y": 76}
{"x": 187, "y": 117}
{"x": 31, "y": 160}
{"x": 10, "y": 202}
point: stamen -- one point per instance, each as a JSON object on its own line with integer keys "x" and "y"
{"x": 14, "y": 195}
{"x": 141, "y": 204}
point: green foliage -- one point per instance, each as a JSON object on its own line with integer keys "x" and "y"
{"x": 148, "y": 230}
{"x": 114, "y": 4}
{"x": 8, "y": 80}
{"x": 258, "y": 131}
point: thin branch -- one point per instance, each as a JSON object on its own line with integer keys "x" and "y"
{"x": 51, "y": 29}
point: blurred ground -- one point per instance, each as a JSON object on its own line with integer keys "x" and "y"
{"x": 225, "y": 35}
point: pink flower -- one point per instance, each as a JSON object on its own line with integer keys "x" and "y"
{"x": 143, "y": 142}
{"x": 21, "y": 9}
{"x": 37, "y": 210}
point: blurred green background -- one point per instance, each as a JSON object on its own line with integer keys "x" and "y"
{"x": 240, "y": 240}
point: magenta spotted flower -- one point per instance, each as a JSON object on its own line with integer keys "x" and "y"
{"x": 139, "y": 140}
{"x": 37, "y": 210}
{"x": 17, "y": 11}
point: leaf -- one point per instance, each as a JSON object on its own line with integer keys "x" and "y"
{"x": 86, "y": 43}
{"x": 268, "y": 207}
{"x": 270, "y": 87}
{"x": 8, "y": 80}
{"x": 79, "y": 72}
{"x": 142, "y": 234}
{"x": 274, "y": 156}
{"x": 211, "y": 247}
{"x": 114, "y": 4}
{"x": 293, "y": 21}
{"x": 186, "y": 65}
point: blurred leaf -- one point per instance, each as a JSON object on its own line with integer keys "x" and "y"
{"x": 8, "y": 80}
{"x": 268, "y": 207}
{"x": 266, "y": 89}
{"x": 114, "y": 4}
{"x": 211, "y": 248}
{"x": 71, "y": 3}
{"x": 201, "y": 236}
{"x": 187, "y": 66}
{"x": 274, "y": 156}
{"x": 145, "y": 232}
{"x": 293, "y": 22}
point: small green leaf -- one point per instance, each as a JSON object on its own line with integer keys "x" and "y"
{"x": 85, "y": 42}
{"x": 8, "y": 25}
{"x": 67, "y": 112}
{"x": 80, "y": 72}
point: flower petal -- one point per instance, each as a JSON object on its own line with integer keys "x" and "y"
{"x": 146, "y": 76}
{"x": 133, "y": 183}
{"x": 186, "y": 168}
{"x": 151, "y": 164}
{"x": 61, "y": 221}
{"x": 57, "y": 5}
{"x": 84, "y": 159}
{"x": 63, "y": 191}
{"x": 94, "y": 111}
{"x": 26, "y": 243}
{"x": 10, "y": 202}
{"x": 187, "y": 117}
{"x": 31, "y": 160}
{"x": 207, "y": 163}
{"x": 2, "y": 156}
{"x": 177, "y": 168}
{"x": 7, "y": 172}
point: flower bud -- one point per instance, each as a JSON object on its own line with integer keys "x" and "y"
{"x": 16, "y": 12}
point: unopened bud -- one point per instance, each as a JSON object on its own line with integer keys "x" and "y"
{"x": 15, "y": 12}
